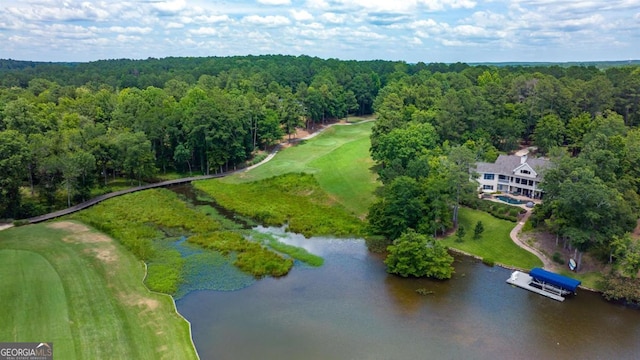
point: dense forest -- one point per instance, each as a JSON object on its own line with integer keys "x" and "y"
{"x": 69, "y": 128}
{"x": 433, "y": 127}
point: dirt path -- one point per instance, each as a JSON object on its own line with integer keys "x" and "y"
{"x": 548, "y": 264}
{"x": 5, "y": 226}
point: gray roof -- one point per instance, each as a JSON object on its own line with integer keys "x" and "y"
{"x": 505, "y": 164}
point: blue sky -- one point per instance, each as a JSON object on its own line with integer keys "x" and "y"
{"x": 409, "y": 30}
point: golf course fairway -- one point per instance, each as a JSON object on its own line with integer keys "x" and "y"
{"x": 65, "y": 283}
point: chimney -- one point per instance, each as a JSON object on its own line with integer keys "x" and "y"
{"x": 523, "y": 159}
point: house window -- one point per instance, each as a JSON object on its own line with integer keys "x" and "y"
{"x": 487, "y": 187}
{"x": 525, "y": 172}
{"x": 503, "y": 177}
{"x": 530, "y": 182}
{"x": 489, "y": 176}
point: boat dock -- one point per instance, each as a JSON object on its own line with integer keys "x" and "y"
{"x": 524, "y": 281}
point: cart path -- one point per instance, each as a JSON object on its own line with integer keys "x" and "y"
{"x": 98, "y": 199}
{"x": 514, "y": 236}
{"x": 104, "y": 197}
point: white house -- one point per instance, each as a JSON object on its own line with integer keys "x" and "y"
{"x": 512, "y": 174}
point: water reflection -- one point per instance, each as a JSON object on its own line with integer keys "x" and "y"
{"x": 350, "y": 308}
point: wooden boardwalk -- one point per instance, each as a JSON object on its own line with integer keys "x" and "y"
{"x": 104, "y": 197}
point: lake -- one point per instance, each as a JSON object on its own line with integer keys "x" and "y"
{"x": 350, "y": 308}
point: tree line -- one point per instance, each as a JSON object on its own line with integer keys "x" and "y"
{"x": 433, "y": 127}
{"x": 68, "y": 128}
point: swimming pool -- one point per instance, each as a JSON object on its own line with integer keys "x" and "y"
{"x": 510, "y": 200}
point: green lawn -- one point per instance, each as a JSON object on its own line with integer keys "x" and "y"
{"x": 339, "y": 158}
{"x": 83, "y": 291}
{"x": 494, "y": 244}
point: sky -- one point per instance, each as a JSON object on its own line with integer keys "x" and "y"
{"x": 409, "y": 30}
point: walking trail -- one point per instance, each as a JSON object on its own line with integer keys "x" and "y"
{"x": 514, "y": 236}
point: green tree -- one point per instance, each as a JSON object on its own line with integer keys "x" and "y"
{"x": 399, "y": 208}
{"x": 478, "y": 230}
{"x": 14, "y": 154}
{"x": 414, "y": 254}
{"x": 549, "y": 132}
{"x": 400, "y": 146}
{"x": 461, "y": 232}
{"x": 590, "y": 210}
{"x": 135, "y": 155}
{"x": 461, "y": 170}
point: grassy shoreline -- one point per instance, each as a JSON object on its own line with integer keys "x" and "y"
{"x": 495, "y": 244}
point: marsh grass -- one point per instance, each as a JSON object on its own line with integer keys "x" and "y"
{"x": 142, "y": 221}
{"x": 294, "y": 252}
{"x": 293, "y": 199}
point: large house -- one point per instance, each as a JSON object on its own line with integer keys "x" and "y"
{"x": 512, "y": 174}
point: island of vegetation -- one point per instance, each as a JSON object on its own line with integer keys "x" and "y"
{"x": 69, "y": 132}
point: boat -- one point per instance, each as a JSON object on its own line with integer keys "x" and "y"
{"x": 572, "y": 265}
{"x": 546, "y": 283}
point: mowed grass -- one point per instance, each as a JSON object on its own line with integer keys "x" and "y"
{"x": 494, "y": 244}
{"x": 339, "y": 159}
{"x": 65, "y": 283}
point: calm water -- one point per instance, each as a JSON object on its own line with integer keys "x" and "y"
{"x": 352, "y": 309}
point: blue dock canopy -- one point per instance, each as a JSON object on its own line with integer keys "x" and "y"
{"x": 558, "y": 280}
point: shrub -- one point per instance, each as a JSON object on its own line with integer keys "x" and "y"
{"x": 163, "y": 278}
{"x": 616, "y": 287}
{"x": 488, "y": 262}
{"x": 460, "y": 233}
{"x": 17, "y": 223}
{"x": 414, "y": 254}
{"x": 557, "y": 257}
{"x": 478, "y": 230}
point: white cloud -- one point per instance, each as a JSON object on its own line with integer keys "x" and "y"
{"x": 334, "y": 18}
{"x": 469, "y": 31}
{"x": 64, "y": 31}
{"x": 127, "y": 38}
{"x": 170, "y": 7}
{"x": 78, "y": 30}
{"x": 131, "y": 29}
{"x": 396, "y": 6}
{"x": 406, "y": 6}
{"x": 301, "y": 15}
{"x": 275, "y": 2}
{"x": 212, "y": 19}
{"x": 204, "y": 31}
{"x": 317, "y": 4}
{"x": 174, "y": 25}
{"x": 269, "y": 20}
{"x": 67, "y": 11}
